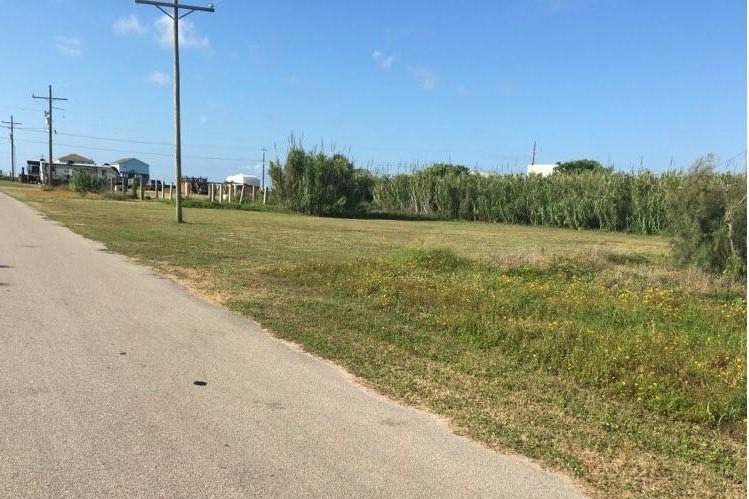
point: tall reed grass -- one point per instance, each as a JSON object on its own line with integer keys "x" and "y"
{"x": 634, "y": 202}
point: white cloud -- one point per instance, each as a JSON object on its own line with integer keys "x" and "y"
{"x": 188, "y": 35}
{"x": 128, "y": 24}
{"x": 159, "y": 78}
{"x": 426, "y": 78}
{"x": 382, "y": 60}
{"x": 68, "y": 45}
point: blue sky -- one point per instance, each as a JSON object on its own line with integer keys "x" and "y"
{"x": 389, "y": 82}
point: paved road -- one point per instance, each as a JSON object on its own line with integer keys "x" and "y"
{"x": 97, "y": 362}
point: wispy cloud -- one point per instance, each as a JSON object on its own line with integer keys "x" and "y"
{"x": 128, "y": 25}
{"x": 159, "y": 78}
{"x": 68, "y": 45}
{"x": 384, "y": 61}
{"x": 424, "y": 76}
{"x": 188, "y": 35}
{"x": 505, "y": 88}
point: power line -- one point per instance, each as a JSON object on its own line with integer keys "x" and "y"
{"x": 145, "y": 153}
{"x": 16, "y": 108}
{"x": 112, "y": 139}
{"x": 146, "y": 142}
{"x": 258, "y": 148}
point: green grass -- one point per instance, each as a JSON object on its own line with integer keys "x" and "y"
{"x": 584, "y": 350}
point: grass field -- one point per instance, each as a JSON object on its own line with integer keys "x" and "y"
{"x": 586, "y": 351}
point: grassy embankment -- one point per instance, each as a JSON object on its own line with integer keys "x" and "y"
{"x": 584, "y": 350}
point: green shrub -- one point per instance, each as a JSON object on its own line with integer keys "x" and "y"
{"x": 710, "y": 227}
{"x": 84, "y": 180}
{"x": 317, "y": 184}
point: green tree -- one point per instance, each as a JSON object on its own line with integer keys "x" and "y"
{"x": 579, "y": 166}
{"x": 444, "y": 169}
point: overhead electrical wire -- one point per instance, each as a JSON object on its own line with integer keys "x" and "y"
{"x": 145, "y": 153}
{"x": 147, "y": 142}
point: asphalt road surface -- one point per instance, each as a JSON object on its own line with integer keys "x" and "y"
{"x": 98, "y": 359}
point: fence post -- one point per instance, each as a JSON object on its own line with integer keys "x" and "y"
{"x": 140, "y": 185}
{"x": 265, "y": 194}
{"x": 124, "y": 186}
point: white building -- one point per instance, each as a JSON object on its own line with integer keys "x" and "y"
{"x": 543, "y": 170}
{"x": 243, "y": 179}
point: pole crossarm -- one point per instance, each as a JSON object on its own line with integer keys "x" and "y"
{"x": 49, "y": 98}
{"x": 178, "y": 5}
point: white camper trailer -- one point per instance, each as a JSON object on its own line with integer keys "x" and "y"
{"x": 243, "y": 179}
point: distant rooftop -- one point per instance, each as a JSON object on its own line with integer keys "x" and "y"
{"x": 75, "y": 158}
{"x": 125, "y": 160}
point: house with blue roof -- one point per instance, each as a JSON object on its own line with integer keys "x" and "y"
{"x": 132, "y": 167}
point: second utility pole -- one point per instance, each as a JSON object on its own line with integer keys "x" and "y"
{"x": 177, "y": 127}
{"x": 50, "y": 99}
{"x": 264, "y": 192}
{"x": 533, "y": 159}
{"x": 12, "y": 148}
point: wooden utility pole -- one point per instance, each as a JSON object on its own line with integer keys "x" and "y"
{"x": 49, "y": 99}
{"x": 175, "y": 16}
{"x": 253, "y": 191}
{"x": 12, "y": 147}
{"x": 533, "y": 158}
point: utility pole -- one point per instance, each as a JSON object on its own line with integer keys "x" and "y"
{"x": 175, "y": 16}
{"x": 533, "y": 158}
{"x": 12, "y": 147}
{"x": 49, "y": 99}
{"x": 264, "y": 196}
